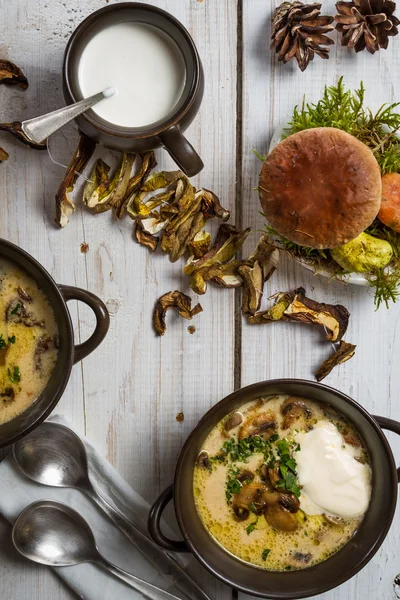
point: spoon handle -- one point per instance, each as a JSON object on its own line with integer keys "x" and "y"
{"x": 166, "y": 565}
{"x": 40, "y": 128}
{"x": 148, "y": 590}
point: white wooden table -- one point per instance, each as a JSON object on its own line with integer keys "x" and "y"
{"x": 126, "y": 395}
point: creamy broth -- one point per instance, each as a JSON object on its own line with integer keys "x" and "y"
{"x": 248, "y": 484}
{"x": 28, "y": 341}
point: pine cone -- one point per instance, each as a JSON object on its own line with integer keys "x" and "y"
{"x": 298, "y": 30}
{"x": 366, "y": 24}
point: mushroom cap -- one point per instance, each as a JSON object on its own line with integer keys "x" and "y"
{"x": 320, "y": 187}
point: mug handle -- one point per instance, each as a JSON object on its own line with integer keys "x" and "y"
{"x": 154, "y": 526}
{"x": 391, "y": 425}
{"x": 102, "y": 319}
{"x": 181, "y": 151}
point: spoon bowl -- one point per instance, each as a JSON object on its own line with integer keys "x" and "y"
{"x": 53, "y": 455}
{"x": 53, "y": 534}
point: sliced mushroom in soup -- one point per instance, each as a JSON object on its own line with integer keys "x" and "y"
{"x": 268, "y": 492}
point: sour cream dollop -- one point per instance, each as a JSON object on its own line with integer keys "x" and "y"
{"x": 332, "y": 480}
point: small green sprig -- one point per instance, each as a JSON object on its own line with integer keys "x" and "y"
{"x": 345, "y": 110}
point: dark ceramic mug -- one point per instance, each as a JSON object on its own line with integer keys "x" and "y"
{"x": 68, "y": 353}
{"x": 168, "y": 132}
{"x": 289, "y": 584}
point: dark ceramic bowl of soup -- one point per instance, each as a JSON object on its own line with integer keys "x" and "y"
{"x": 37, "y": 348}
{"x": 296, "y": 555}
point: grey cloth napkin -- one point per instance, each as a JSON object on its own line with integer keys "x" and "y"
{"x": 87, "y": 580}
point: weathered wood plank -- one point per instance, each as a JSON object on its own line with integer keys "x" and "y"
{"x": 126, "y": 395}
{"x": 286, "y": 350}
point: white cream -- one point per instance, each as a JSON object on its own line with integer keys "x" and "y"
{"x": 332, "y": 480}
{"x": 142, "y": 63}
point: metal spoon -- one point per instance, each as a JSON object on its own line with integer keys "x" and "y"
{"x": 51, "y": 533}
{"x": 40, "y": 128}
{"x": 54, "y": 455}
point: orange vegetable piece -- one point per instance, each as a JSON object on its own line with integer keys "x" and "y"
{"x": 389, "y": 212}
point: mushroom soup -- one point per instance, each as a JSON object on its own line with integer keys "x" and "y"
{"x": 282, "y": 483}
{"x": 28, "y": 341}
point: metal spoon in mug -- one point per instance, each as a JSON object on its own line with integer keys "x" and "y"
{"x": 54, "y": 455}
{"x": 40, "y": 128}
{"x": 53, "y": 534}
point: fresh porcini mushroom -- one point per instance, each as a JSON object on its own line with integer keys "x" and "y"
{"x": 203, "y": 460}
{"x": 263, "y": 425}
{"x": 234, "y": 420}
{"x": 250, "y": 498}
{"x": 320, "y": 187}
{"x": 294, "y": 409}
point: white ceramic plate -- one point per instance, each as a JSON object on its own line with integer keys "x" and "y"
{"x": 354, "y": 278}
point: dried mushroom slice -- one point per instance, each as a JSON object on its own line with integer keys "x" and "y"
{"x": 342, "y": 354}
{"x": 211, "y": 206}
{"x": 135, "y": 182}
{"x": 10, "y": 74}
{"x": 98, "y": 183}
{"x": 170, "y": 300}
{"x": 267, "y": 256}
{"x": 3, "y": 155}
{"x": 182, "y": 228}
{"x": 227, "y": 242}
{"x": 275, "y": 313}
{"x": 198, "y": 280}
{"x": 144, "y": 238}
{"x": 64, "y": 205}
{"x": 137, "y": 209}
{"x": 253, "y": 283}
{"x": 200, "y": 244}
{"x": 114, "y": 192}
{"x": 15, "y": 128}
{"x": 334, "y": 318}
{"x": 153, "y": 225}
{"x": 230, "y": 276}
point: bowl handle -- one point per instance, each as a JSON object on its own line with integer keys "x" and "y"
{"x": 181, "y": 151}
{"x": 391, "y": 425}
{"x": 102, "y": 319}
{"x": 154, "y": 526}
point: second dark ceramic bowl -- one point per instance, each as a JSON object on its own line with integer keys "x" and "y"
{"x": 168, "y": 132}
{"x": 289, "y": 584}
{"x": 68, "y": 354}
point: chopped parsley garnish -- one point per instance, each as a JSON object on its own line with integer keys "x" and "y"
{"x": 240, "y": 451}
{"x": 2, "y": 342}
{"x": 11, "y": 340}
{"x": 265, "y": 553}
{"x": 287, "y": 468}
{"x": 233, "y": 485}
{"x": 14, "y": 375}
{"x": 251, "y": 527}
{"x": 15, "y": 309}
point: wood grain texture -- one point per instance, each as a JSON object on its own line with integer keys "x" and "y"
{"x": 126, "y": 395}
{"x": 270, "y": 91}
